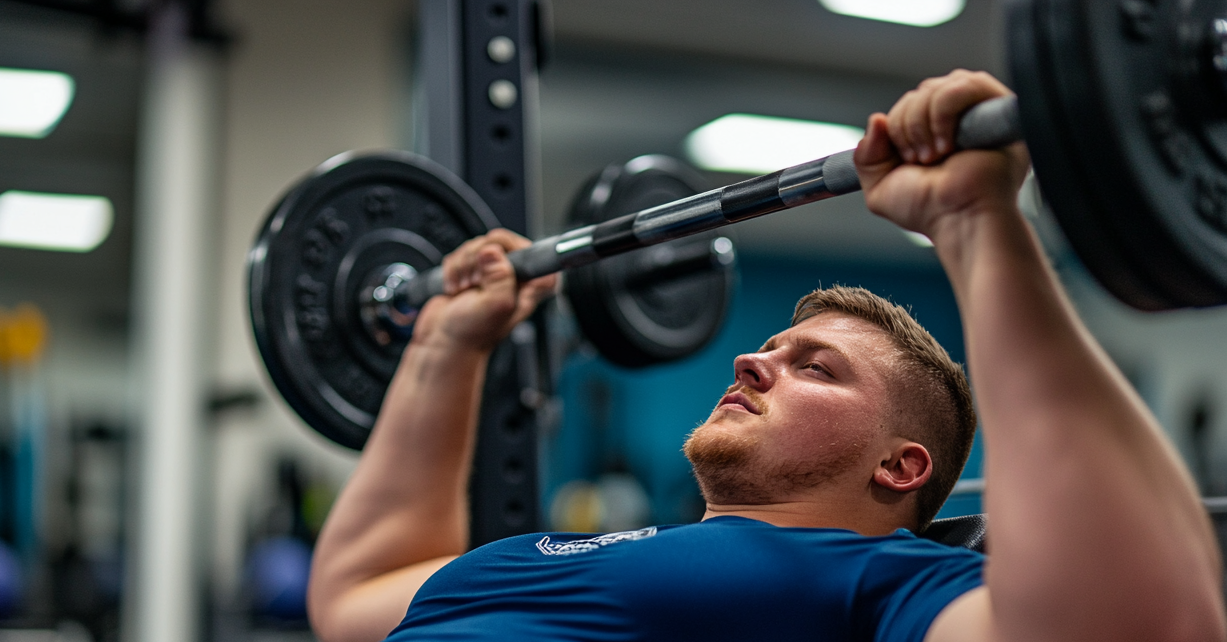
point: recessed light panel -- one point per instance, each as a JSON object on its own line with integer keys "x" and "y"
{"x": 917, "y": 13}
{"x": 33, "y": 102}
{"x": 750, "y": 144}
{"x": 63, "y": 222}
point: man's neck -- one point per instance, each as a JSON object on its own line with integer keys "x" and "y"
{"x": 813, "y": 514}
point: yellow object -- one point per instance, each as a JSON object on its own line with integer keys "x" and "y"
{"x": 316, "y": 502}
{"x": 577, "y": 507}
{"x": 23, "y": 335}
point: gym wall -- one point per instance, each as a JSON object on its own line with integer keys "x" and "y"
{"x": 304, "y": 81}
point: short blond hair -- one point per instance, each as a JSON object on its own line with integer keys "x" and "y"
{"x": 931, "y": 388}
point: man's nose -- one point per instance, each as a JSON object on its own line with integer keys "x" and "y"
{"x": 754, "y": 371}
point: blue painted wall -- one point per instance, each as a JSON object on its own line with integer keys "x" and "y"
{"x": 636, "y": 420}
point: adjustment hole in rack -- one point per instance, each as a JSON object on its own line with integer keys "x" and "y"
{"x": 513, "y": 471}
{"x": 514, "y": 512}
{"x": 501, "y": 134}
{"x": 515, "y": 426}
{"x": 503, "y": 182}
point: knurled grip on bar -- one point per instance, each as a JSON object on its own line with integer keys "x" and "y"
{"x": 991, "y": 124}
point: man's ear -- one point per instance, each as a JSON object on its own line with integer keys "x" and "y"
{"x": 908, "y": 468}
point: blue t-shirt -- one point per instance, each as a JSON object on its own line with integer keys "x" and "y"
{"x": 726, "y": 578}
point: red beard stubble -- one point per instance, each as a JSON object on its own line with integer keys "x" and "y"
{"x": 732, "y": 470}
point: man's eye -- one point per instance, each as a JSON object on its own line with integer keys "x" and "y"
{"x": 818, "y": 367}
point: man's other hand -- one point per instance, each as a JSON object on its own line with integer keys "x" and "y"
{"x": 909, "y": 168}
{"x": 482, "y": 300}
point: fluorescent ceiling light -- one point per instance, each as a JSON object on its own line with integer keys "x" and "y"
{"x": 917, "y": 13}
{"x": 66, "y": 222}
{"x": 33, "y": 102}
{"x": 760, "y": 144}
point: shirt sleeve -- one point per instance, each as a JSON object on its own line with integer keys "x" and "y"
{"x": 907, "y": 583}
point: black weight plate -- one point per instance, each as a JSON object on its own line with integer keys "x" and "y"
{"x": 635, "y": 314}
{"x": 350, "y": 218}
{"x": 1124, "y": 114}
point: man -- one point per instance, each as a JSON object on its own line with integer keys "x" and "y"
{"x": 820, "y": 450}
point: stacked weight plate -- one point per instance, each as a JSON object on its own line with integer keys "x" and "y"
{"x": 1123, "y": 111}
{"x": 321, "y": 246}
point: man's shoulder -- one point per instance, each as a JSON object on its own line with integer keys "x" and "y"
{"x": 729, "y": 533}
{"x": 728, "y": 537}
{"x": 672, "y": 579}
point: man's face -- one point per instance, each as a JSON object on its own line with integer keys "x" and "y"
{"x": 806, "y": 409}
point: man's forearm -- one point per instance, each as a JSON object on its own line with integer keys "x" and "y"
{"x": 404, "y": 512}
{"x": 406, "y": 501}
{"x": 1096, "y": 530}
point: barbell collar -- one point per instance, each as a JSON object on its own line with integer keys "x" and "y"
{"x": 991, "y": 124}
{"x": 413, "y": 293}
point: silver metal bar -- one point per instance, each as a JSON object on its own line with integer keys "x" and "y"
{"x": 992, "y": 123}
{"x": 691, "y": 215}
{"x": 1213, "y": 505}
{"x": 968, "y": 487}
{"x": 799, "y": 184}
{"x": 573, "y": 248}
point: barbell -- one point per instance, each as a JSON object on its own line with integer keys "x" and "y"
{"x": 338, "y": 245}
{"x": 1123, "y": 105}
{"x": 349, "y": 256}
{"x": 659, "y": 304}
{"x": 993, "y": 123}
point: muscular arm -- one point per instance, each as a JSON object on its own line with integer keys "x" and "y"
{"x": 404, "y": 512}
{"x": 1096, "y": 531}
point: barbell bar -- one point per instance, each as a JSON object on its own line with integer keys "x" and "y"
{"x": 991, "y": 124}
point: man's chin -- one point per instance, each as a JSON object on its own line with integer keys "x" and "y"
{"x": 731, "y": 467}
{"x": 717, "y": 442}
{"x": 723, "y": 463}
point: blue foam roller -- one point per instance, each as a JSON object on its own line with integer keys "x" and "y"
{"x": 11, "y": 581}
{"x": 277, "y": 572}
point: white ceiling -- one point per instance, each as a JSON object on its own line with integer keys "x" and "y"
{"x": 91, "y": 152}
{"x": 791, "y": 32}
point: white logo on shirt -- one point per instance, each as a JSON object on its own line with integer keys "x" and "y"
{"x": 584, "y": 545}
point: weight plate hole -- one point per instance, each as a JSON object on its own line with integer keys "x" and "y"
{"x": 498, "y": 12}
